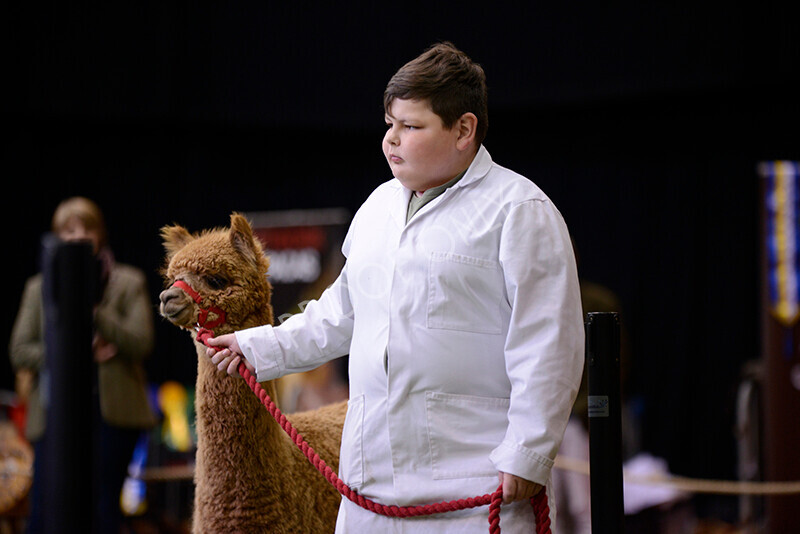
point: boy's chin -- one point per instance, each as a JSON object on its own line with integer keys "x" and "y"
{"x": 414, "y": 184}
{"x": 408, "y": 184}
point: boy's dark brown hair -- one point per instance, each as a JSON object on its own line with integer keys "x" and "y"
{"x": 449, "y": 80}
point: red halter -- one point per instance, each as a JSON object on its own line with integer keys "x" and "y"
{"x": 202, "y": 319}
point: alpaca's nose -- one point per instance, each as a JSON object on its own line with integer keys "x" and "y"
{"x": 166, "y": 295}
{"x": 171, "y": 302}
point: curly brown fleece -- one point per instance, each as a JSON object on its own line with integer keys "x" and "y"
{"x": 249, "y": 477}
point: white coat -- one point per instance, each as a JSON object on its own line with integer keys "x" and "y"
{"x": 465, "y": 336}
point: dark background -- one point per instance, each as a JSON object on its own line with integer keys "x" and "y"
{"x": 643, "y": 123}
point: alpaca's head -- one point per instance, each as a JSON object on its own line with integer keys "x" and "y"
{"x": 226, "y": 267}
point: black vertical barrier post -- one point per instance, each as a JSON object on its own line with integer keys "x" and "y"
{"x": 605, "y": 422}
{"x": 69, "y": 286}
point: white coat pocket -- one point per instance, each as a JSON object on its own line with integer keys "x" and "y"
{"x": 351, "y": 461}
{"x": 462, "y": 431}
{"x": 464, "y": 293}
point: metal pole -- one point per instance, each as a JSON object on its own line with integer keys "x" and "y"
{"x": 780, "y": 345}
{"x": 68, "y": 292}
{"x": 605, "y": 422}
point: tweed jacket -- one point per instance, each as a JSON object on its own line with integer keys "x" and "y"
{"x": 123, "y": 317}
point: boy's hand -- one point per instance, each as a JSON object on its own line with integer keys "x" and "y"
{"x": 226, "y": 354}
{"x": 517, "y": 489}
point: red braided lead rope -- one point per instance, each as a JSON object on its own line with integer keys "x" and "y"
{"x": 541, "y": 510}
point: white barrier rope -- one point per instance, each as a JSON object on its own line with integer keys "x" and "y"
{"x": 691, "y": 485}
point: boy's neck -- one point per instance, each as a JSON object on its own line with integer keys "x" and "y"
{"x": 443, "y": 186}
{"x": 464, "y": 167}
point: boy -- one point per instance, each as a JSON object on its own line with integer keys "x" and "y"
{"x": 460, "y": 309}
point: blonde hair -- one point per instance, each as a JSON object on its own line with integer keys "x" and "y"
{"x": 85, "y": 211}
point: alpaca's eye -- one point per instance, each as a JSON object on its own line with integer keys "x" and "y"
{"x": 216, "y": 282}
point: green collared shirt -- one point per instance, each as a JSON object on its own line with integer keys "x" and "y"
{"x": 415, "y": 203}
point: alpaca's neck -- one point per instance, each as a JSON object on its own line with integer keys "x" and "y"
{"x": 228, "y": 411}
{"x": 234, "y": 430}
{"x": 250, "y": 477}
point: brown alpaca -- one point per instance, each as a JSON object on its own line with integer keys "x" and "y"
{"x": 250, "y": 476}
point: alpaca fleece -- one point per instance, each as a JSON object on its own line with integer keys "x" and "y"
{"x": 250, "y": 476}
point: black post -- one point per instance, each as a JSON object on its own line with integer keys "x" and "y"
{"x": 605, "y": 422}
{"x": 69, "y": 286}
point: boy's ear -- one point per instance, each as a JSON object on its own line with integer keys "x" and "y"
{"x": 467, "y": 124}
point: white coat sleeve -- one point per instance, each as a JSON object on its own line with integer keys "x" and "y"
{"x": 306, "y": 340}
{"x": 544, "y": 350}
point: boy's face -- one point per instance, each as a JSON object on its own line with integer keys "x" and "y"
{"x": 421, "y": 152}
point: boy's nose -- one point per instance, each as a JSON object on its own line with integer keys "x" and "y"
{"x": 390, "y": 137}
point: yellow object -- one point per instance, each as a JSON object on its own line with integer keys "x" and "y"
{"x": 173, "y": 400}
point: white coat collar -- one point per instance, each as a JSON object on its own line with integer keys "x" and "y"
{"x": 479, "y": 168}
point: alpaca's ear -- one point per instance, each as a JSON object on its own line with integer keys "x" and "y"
{"x": 175, "y": 238}
{"x": 242, "y": 239}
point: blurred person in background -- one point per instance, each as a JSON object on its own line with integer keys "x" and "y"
{"x": 123, "y": 337}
